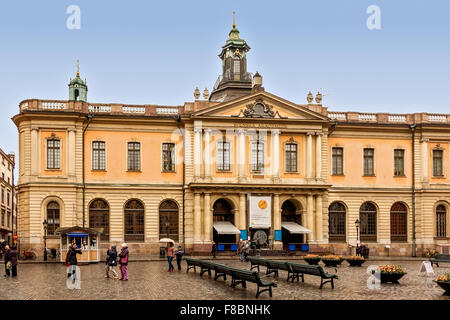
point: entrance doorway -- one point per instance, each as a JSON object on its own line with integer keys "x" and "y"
{"x": 291, "y": 212}
{"x": 224, "y": 231}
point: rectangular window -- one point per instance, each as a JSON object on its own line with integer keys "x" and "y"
{"x": 223, "y": 156}
{"x": 98, "y": 155}
{"x": 53, "y": 154}
{"x": 438, "y": 156}
{"x": 237, "y": 66}
{"x": 337, "y": 155}
{"x": 369, "y": 169}
{"x": 257, "y": 156}
{"x": 3, "y": 195}
{"x": 399, "y": 162}
{"x": 290, "y": 156}
{"x": 8, "y": 219}
{"x": 3, "y": 217}
{"x": 8, "y": 196}
{"x": 134, "y": 156}
{"x": 168, "y": 157}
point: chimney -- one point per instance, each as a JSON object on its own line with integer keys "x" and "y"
{"x": 257, "y": 82}
{"x": 12, "y": 156}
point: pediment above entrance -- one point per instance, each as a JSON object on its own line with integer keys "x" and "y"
{"x": 261, "y": 105}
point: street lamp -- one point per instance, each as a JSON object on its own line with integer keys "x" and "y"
{"x": 45, "y": 223}
{"x": 357, "y": 224}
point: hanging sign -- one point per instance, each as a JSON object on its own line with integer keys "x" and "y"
{"x": 260, "y": 211}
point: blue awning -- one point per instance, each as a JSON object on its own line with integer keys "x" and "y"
{"x": 77, "y": 234}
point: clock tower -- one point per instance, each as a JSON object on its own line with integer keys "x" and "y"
{"x": 235, "y": 81}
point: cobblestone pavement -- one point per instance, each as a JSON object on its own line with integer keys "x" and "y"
{"x": 150, "y": 280}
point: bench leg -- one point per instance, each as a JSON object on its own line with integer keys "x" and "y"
{"x": 303, "y": 277}
{"x": 258, "y": 291}
{"x": 332, "y": 283}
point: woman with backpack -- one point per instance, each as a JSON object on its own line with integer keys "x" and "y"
{"x": 123, "y": 261}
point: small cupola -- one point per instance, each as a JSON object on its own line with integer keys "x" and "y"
{"x": 77, "y": 87}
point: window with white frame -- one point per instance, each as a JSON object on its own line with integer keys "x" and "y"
{"x": 168, "y": 157}
{"x": 134, "y": 156}
{"x": 257, "y": 155}
{"x": 290, "y": 155}
{"x": 98, "y": 155}
{"x": 223, "y": 156}
{"x": 53, "y": 154}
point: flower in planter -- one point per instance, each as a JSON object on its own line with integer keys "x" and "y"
{"x": 312, "y": 256}
{"x": 430, "y": 253}
{"x": 391, "y": 269}
{"x": 332, "y": 257}
{"x": 444, "y": 278}
{"x": 357, "y": 257}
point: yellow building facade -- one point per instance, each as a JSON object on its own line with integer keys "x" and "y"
{"x": 240, "y": 163}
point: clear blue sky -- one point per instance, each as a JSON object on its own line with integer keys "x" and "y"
{"x": 141, "y": 52}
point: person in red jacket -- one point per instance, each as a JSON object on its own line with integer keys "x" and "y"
{"x": 123, "y": 261}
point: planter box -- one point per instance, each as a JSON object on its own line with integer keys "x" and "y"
{"x": 332, "y": 263}
{"x": 355, "y": 263}
{"x": 312, "y": 261}
{"x": 391, "y": 277}
{"x": 445, "y": 286}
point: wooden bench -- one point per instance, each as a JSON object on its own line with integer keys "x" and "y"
{"x": 242, "y": 276}
{"x": 238, "y": 276}
{"x": 256, "y": 262}
{"x": 302, "y": 269}
{"x": 440, "y": 258}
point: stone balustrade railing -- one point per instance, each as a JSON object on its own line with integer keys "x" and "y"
{"x": 155, "y": 110}
{"x": 98, "y": 108}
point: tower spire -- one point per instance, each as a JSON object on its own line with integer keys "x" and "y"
{"x": 234, "y": 20}
{"x": 78, "y": 67}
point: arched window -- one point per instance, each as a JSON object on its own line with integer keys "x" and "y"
{"x": 222, "y": 211}
{"x": 134, "y": 221}
{"x": 441, "y": 221}
{"x": 99, "y": 217}
{"x": 398, "y": 222}
{"x": 336, "y": 222}
{"x": 53, "y": 215}
{"x": 368, "y": 219}
{"x": 168, "y": 220}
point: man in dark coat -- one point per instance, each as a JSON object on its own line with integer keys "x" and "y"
{"x": 7, "y": 260}
{"x": 13, "y": 259}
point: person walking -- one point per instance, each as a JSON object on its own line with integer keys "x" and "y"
{"x": 179, "y": 255}
{"x": 7, "y": 260}
{"x": 71, "y": 260}
{"x": 241, "y": 250}
{"x": 170, "y": 254}
{"x": 213, "y": 249}
{"x": 123, "y": 262}
{"x": 13, "y": 259}
{"x": 111, "y": 262}
{"x": 246, "y": 250}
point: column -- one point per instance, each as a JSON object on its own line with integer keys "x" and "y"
{"x": 197, "y": 219}
{"x": 309, "y": 156}
{"x": 197, "y": 151}
{"x": 34, "y": 151}
{"x": 241, "y": 153}
{"x": 207, "y": 217}
{"x": 319, "y": 218}
{"x": 310, "y": 216}
{"x": 71, "y": 152}
{"x": 424, "y": 144}
{"x": 207, "y": 156}
{"x": 318, "y": 155}
{"x": 242, "y": 225}
{"x": 278, "y": 245}
{"x": 275, "y": 154}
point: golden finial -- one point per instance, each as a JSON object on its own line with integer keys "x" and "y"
{"x": 78, "y": 67}
{"x": 234, "y": 21}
